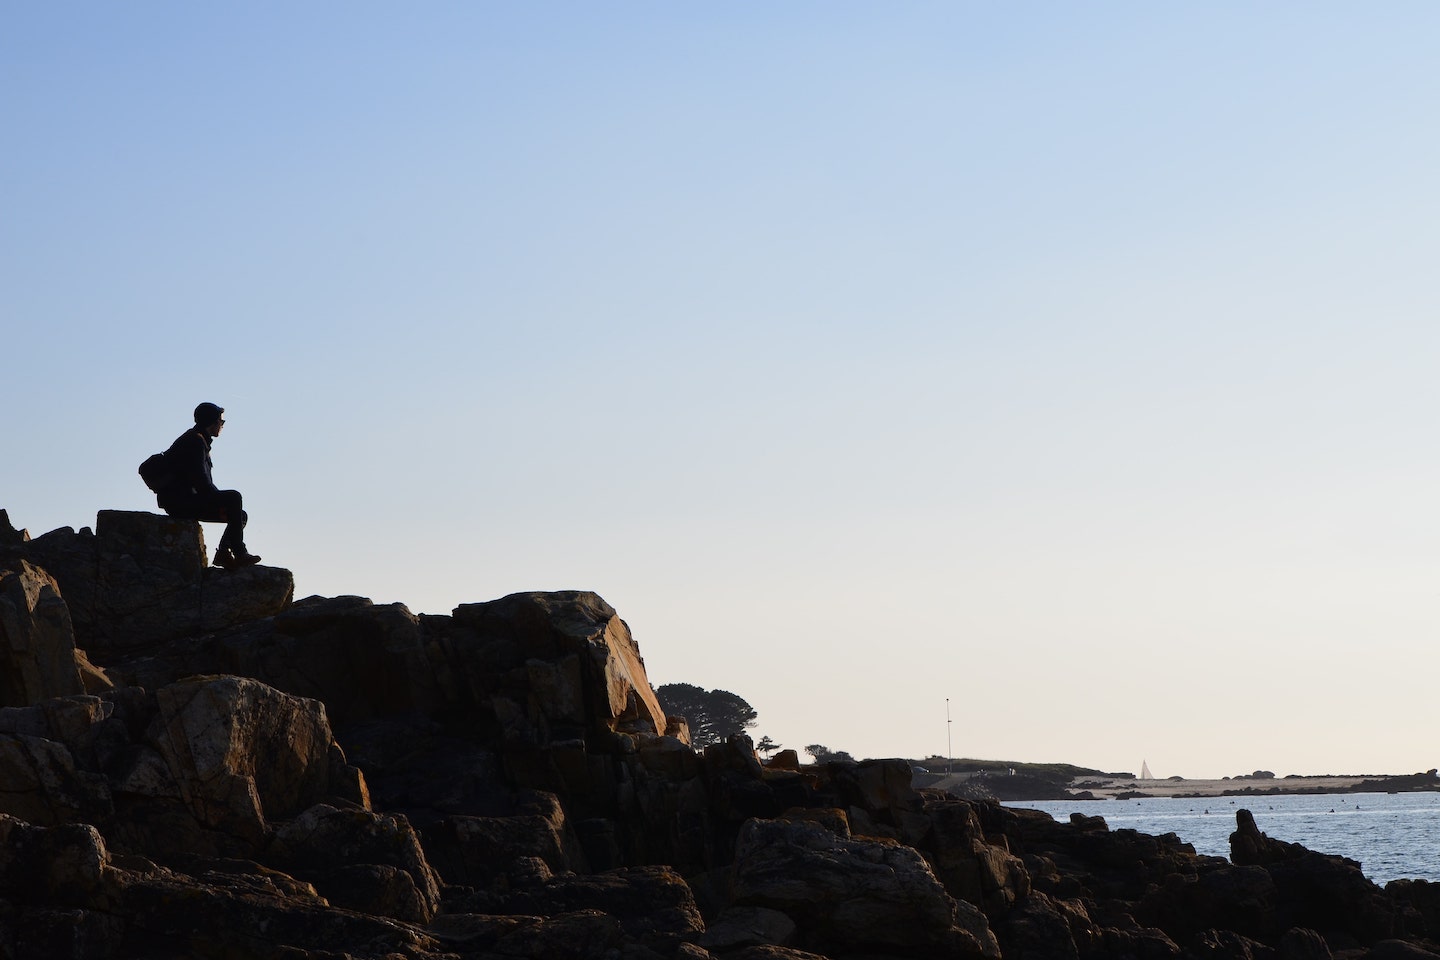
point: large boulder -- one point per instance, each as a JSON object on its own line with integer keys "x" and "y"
{"x": 581, "y": 664}
{"x": 1419, "y": 900}
{"x": 653, "y": 904}
{"x": 529, "y": 670}
{"x": 41, "y": 783}
{"x": 551, "y": 685}
{"x": 205, "y": 766}
{"x": 362, "y": 660}
{"x": 141, "y": 579}
{"x": 244, "y": 754}
{"x": 366, "y": 861}
{"x": 37, "y": 640}
{"x": 849, "y": 895}
{"x": 1039, "y": 926}
{"x": 1250, "y": 847}
{"x": 1326, "y": 893}
{"x": 971, "y": 867}
{"x": 1243, "y": 899}
{"x": 49, "y": 772}
{"x": 475, "y": 851}
{"x": 740, "y": 927}
{"x": 64, "y": 895}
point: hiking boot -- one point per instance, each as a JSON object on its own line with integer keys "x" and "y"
{"x": 233, "y": 561}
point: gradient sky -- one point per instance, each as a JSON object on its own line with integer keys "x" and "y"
{"x": 1075, "y": 364}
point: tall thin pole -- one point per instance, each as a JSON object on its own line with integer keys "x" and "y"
{"x": 948, "y": 751}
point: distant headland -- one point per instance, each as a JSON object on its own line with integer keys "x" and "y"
{"x": 1006, "y": 780}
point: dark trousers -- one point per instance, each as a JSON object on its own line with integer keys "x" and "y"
{"x": 222, "y": 506}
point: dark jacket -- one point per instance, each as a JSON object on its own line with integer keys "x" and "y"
{"x": 189, "y": 461}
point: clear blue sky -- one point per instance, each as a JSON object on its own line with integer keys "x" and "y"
{"x": 1075, "y": 363}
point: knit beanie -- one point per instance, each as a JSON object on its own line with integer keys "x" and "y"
{"x": 207, "y": 413}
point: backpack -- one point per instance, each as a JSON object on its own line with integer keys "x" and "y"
{"x": 156, "y": 472}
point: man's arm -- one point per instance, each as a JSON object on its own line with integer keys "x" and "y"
{"x": 187, "y": 459}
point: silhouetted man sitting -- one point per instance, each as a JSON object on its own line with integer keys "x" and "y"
{"x": 192, "y": 495}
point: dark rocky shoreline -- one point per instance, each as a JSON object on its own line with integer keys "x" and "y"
{"x": 193, "y": 764}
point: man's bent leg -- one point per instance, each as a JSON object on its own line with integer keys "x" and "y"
{"x": 231, "y": 504}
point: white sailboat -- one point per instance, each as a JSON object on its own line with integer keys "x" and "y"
{"x": 1145, "y": 773}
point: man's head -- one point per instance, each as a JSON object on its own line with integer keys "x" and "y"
{"x": 210, "y": 418}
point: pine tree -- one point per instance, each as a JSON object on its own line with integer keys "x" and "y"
{"x": 713, "y": 715}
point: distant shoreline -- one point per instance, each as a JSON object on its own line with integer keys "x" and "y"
{"x": 1133, "y": 788}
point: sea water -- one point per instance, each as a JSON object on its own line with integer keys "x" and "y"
{"x": 1390, "y": 835}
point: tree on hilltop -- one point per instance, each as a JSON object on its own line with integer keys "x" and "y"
{"x": 767, "y": 746}
{"x": 823, "y": 754}
{"x": 713, "y": 715}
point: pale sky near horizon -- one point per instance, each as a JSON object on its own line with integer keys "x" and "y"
{"x": 1073, "y": 364}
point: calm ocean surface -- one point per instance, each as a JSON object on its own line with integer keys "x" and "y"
{"x": 1391, "y": 835}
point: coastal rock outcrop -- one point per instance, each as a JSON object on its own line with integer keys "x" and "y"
{"x": 359, "y": 859}
{"x": 207, "y": 765}
{"x": 65, "y": 894}
{"x": 243, "y": 754}
{"x": 139, "y": 579}
{"x": 854, "y": 895}
{"x": 240, "y": 775}
{"x": 37, "y": 641}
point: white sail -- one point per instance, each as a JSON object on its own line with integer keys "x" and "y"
{"x": 1145, "y": 773}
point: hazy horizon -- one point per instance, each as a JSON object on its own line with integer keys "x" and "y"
{"x": 1075, "y": 365}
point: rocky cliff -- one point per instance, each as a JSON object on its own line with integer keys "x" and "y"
{"x": 194, "y": 764}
